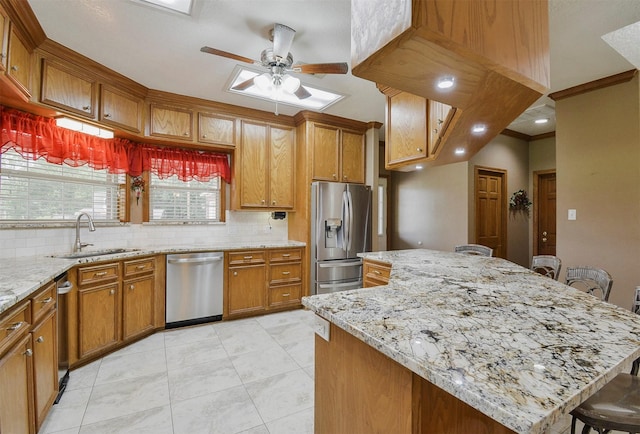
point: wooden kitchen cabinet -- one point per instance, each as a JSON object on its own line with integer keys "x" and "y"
{"x": 216, "y": 129}
{"x": 246, "y": 275}
{"x": 119, "y": 109}
{"x": 375, "y": 273}
{"x": 99, "y": 301}
{"x": 4, "y": 40}
{"x": 416, "y": 128}
{"x": 266, "y": 166}
{"x": 138, "y": 297}
{"x": 18, "y": 63}
{"x": 171, "y": 122}
{"x": 285, "y": 277}
{"x": 338, "y": 154}
{"x": 28, "y": 362}
{"x": 69, "y": 89}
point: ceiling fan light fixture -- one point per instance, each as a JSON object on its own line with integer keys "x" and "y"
{"x": 290, "y": 83}
{"x": 263, "y": 82}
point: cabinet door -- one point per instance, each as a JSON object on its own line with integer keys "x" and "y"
{"x": 253, "y": 160}
{"x": 45, "y": 366}
{"x": 216, "y": 129}
{"x": 406, "y": 134}
{"x": 438, "y": 123}
{"x": 171, "y": 122}
{"x": 120, "y": 110}
{"x": 68, "y": 89}
{"x": 16, "y": 393}
{"x": 19, "y": 63}
{"x": 281, "y": 172}
{"x": 326, "y": 153}
{"x": 98, "y": 316}
{"x": 352, "y": 157}
{"x": 4, "y": 39}
{"x": 246, "y": 289}
{"x": 137, "y": 306}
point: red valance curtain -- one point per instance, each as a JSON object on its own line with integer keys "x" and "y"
{"x": 36, "y": 137}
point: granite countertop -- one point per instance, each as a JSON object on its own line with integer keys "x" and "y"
{"x": 519, "y": 347}
{"x": 20, "y": 277}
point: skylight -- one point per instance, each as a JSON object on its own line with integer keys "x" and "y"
{"x": 319, "y": 100}
{"x": 181, "y": 6}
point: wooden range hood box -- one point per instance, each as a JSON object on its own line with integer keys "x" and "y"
{"x": 497, "y": 50}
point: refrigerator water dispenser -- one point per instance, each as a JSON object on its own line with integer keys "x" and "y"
{"x": 331, "y": 228}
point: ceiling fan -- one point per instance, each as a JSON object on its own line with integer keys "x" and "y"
{"x": 279, "y": 62}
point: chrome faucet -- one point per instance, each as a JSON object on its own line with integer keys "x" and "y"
{"x": 77, "y": 246}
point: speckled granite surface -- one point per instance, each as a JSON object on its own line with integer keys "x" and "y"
{"x": 518, "y": 346}
{"x": 21, "y": 277}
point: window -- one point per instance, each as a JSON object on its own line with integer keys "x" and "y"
{"x": 191, "y": 201}
{"x": 41, "y": 191}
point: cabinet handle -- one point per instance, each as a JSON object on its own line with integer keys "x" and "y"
{"x": 273, "y": 202}
{"x": 107, "y": 115}
{"x": 186, "y": 133}
{"x": 40, "y": 339}
{"x": 131, "y": 287}
{"x": 286, "y": 255}
{"x": 100, "y": 274}
{"x": 235, "y": 273}
{"x": 286, "y": 273}
{"x": 344, "y": 177}
{"x": 15, "y": 326}
{"x": 14, "y": 68}
{"x": 28, "y": 353}
{"x": 435, "y": 131}
{"x": 113, "y": 291}
{"x": 419, "y": 149}
{"x": 377, "y": 272}
{"x": 247, "y": 258}
{"x": 140, "y": 267}
{"x": 286, "y": 294}
{"x": 334, "y": 176}
{"x": 47, "y": 300}
{"x": 440, "y": 121}
{"x": 263, "y": 201}
{"x": 204, "y": 136}
{"x": 86, "y": 108}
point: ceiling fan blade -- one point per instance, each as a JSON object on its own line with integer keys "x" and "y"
{"x": 229, "y": 55}
{"x": 302, "y": 93}
{"x": 282, "y": 40}
{"x": 244, "y": 85}
{"x": 321, "y": 68}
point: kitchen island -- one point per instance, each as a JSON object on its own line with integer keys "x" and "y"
{"x": 463, "y": 344}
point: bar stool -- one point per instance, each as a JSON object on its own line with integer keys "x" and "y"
{"x": 591, "y": 280}
{"x": 474, "y": 249}
{"x": 547, "y": 265}
{"x": 614, "y": 407}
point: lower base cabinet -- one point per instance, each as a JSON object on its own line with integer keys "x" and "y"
{"x": 16, "y": 396}
{"x": 98, "y": 317}
{"x": 45, "y": 366}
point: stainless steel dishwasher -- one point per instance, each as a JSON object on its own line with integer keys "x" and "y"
{"x": 194, "y": 288}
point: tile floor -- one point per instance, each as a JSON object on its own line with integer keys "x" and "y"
{"x": 250, "y": 376}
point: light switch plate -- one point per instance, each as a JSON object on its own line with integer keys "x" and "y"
{"x": 322, "y": 327}
{"x": 571, "y": 214}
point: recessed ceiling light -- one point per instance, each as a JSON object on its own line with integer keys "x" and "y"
{"x": 459, "y": 151}
{"x": 479, "y": 128}
{"x": 446, "y": 82}
{"x": 419, "y": 167}
{"x": 541, "y": 121}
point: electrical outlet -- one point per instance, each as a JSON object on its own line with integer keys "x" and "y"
{"x": 322, "y": 328}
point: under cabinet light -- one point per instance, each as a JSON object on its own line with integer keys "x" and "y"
{"x": 541, "y": 121}
{"x": 72, "y": 124}
{"x": 446, "y": 82}
{"x": 479, "y": 128}
{"x": 459, "y": 151}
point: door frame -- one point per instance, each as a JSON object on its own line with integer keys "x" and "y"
{"x": 534, "y": 230}
{"x": 502, "y": 173}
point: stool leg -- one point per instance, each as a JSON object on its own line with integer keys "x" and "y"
{"x": 573, "y": 425}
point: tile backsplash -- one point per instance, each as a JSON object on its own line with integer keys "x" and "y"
{"x": 239, "y": 227}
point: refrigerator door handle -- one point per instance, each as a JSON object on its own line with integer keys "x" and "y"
{"x": 350, "y": 199}
{"x": 341, "y": 264}
{"x": 346, "y": 219}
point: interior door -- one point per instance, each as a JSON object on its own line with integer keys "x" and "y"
{"x": 491, "y": 210}
{"x": 545, "y": 214}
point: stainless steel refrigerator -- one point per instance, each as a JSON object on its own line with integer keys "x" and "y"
{"x": 340, "y": 229}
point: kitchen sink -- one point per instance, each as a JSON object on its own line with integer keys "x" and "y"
{"x": 91, "y": 253}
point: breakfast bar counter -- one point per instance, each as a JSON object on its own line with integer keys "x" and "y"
{"x": 460, "y": 344}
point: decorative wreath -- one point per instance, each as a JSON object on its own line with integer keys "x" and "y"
{"x": 519, "y": 201}
{"x": 137, "y": 186}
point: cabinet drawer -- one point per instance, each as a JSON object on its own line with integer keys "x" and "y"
{"x": 98, "y": 273}
{"x": 42, "y": 302}
{"x": 252, "y": 257}
{"x": 14, "y": 325}
{"x": 285, "y": 273}
{"x": 377, "y": 270}
{"x": 284, "y": 295}
{"x": 139, "y": 266}
{"x": 285, "y": 255}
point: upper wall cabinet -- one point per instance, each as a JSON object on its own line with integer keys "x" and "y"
{"x": 68, "y": 89}
{"x": 500, "y": 65}
{"x": 120, "y": 109}
{"x": 4, "y": 40}
{"x": 171, "y": 122}
{"x": 216, "y": 129}
{"x": 338, "y": 154}
{"x": 18, "y": 66}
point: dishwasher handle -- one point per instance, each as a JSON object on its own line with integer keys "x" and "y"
{"x": 194, "y": 260}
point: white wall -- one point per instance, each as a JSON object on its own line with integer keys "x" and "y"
{"x": 249, "y": 227}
